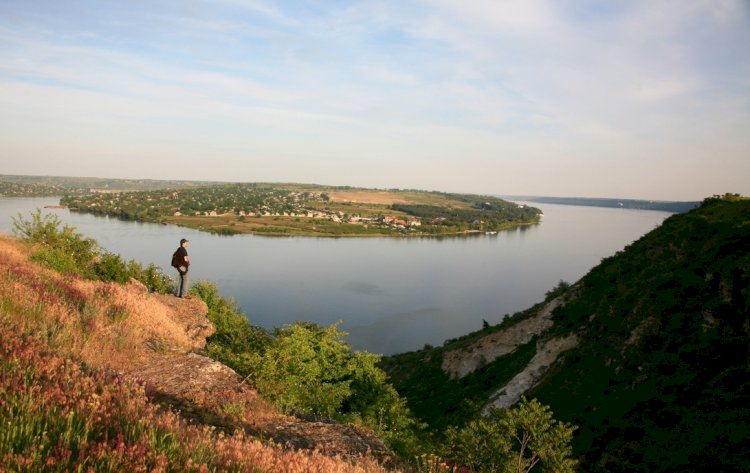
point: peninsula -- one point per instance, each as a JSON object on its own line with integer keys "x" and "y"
{"x": 307, "y": 210}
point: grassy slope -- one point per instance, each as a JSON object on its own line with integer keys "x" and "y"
{"x": 661, "y": 378}
{"x": 61, "y": 407}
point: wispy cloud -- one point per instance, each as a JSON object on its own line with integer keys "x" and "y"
{"x": 381, "y": 91}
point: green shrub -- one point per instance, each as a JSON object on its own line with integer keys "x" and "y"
{"x": 154, "y": 278}
{"x": 513, "y": 440}
{"x": 62, "y": 246}
{"x": 236, "y": 342}
{"x": 309, "y": 369}
{"x": 306, "y": 370}
{"x": 56, "y": 259}
{"x": 63, "y": 249}
{"x": 227, "y": 231}
{"x": 111, "y": 267}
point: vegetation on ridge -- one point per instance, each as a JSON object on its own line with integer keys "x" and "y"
{"x": 660, "y": 381}
{"x": 62, "y": 408}
{"x": 62, "y": 248}
{"x": 309, "y": 370}
{"x": 660, "y": 378}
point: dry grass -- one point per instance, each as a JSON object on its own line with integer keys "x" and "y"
{"x": 387, "y": 198}
{"x": 116, "y": 427}
{"x": 104, "y": 323}
{"x": 363, "y": 196}
{"x": 59, "y": 416}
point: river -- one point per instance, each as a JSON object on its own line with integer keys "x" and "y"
{"x": 390, "y": 294}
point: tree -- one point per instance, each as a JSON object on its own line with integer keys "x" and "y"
{"x": 518, "y": 440}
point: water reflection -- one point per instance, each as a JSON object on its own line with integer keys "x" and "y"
{"x": 392, "y": 294}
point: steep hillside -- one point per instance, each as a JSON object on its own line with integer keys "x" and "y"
{"x": 660, "y": 379}
{"x": 74, "y": 354}
{"x": 649, "y": 354}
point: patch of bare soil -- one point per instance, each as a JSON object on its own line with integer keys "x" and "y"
{"x": 367, "y": 197}
{"x": 458, "y": 363}
{"x": 546, "y": 354}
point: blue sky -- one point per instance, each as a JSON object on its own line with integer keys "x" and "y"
{"x": 630, "y": 99}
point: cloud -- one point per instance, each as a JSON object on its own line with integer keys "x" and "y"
{"x": 382, "y": 92}
{"x": 268, "y": 10}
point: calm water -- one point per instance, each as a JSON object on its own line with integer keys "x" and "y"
{"x": 392, "y": 295}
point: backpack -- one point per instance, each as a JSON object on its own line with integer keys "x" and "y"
{"x": 176, "y": 259}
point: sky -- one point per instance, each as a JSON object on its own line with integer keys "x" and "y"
{"x": 644, "y": 99}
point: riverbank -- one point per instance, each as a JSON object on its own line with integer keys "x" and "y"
{"x": 311, "y": 227}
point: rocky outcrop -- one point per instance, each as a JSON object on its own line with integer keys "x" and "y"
{"x": 331, "y": 438}
{"x": 188, "y": 313}
{"x": 207, "y": 392}
{"x": 191, "y": 315}
{"x": 460, "y": 362}
{"x": 157, "y": 340}
{"x": 189, "y": 379}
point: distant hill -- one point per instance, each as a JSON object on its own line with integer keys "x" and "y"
{"x": 649, "y": 353}
{"x": 665, "y": 206}
{"x": 37, "y": 186}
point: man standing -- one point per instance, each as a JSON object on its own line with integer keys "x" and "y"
{"x": 181, "y": 261}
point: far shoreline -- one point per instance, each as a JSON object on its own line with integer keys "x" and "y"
{"x": 283, "y": 232}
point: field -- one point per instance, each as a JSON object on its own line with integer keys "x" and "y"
{"x": 389, "y": 197}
